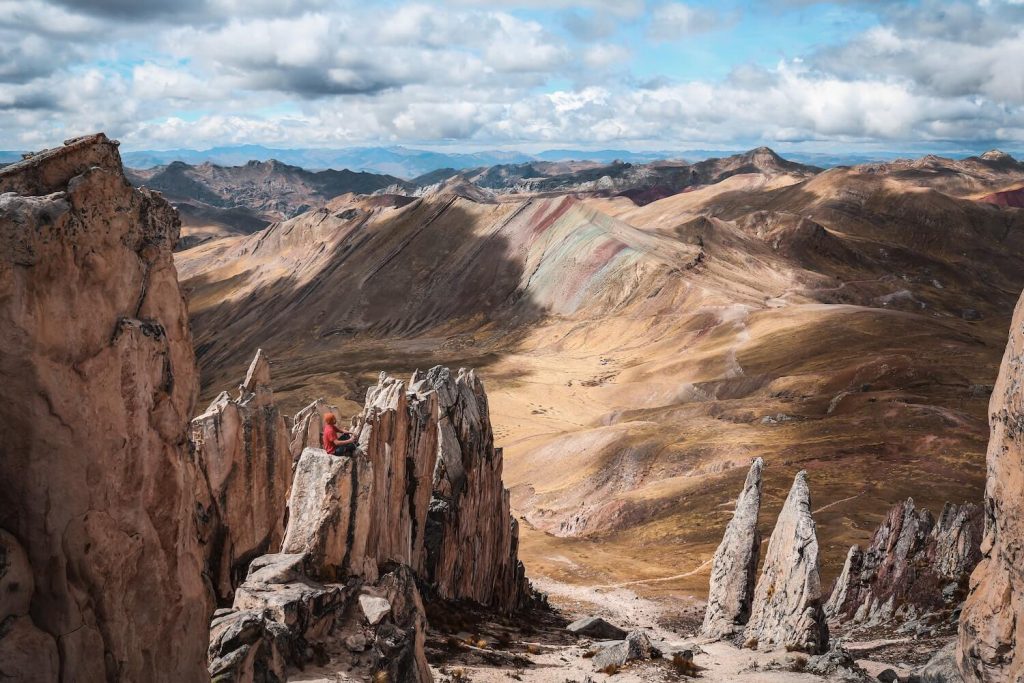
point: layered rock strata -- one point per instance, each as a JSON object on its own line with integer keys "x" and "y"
{"x": 787, "y": 606}
{"x": 914, "y": 565}
{"x": 241, "y": 444}
{"x": 734, "y": 568}
{"x": 98, "y": 383}
{"x": 990, "y": 646}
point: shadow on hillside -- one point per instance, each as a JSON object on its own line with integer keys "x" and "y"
{"x": 417, "y": 289}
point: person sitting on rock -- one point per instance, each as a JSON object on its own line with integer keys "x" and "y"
{"x": 337, "y": 441}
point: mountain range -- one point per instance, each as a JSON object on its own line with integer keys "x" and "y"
{"x": 408, "y": 163}
{"x": 640, "y": 348}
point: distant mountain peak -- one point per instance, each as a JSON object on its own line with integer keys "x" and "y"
{"x": 996, "y": 155}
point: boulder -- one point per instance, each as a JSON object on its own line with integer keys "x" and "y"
{"x": 734, "y": 568}
{"x": 941, "y": 668}
{"x": 836, "y": 660}
{"x": 374, "y": 608}
{"x": 320, "y": 511}
{"x": 913, "y": 565}
{"x": 636, "y": 646}
{"x": 241, "y": 446}
{"x": 596, "y": 627}
{"x": 97, "y": 385}
{"x": 787, "y": 607}
{"x": 989, "y": 644}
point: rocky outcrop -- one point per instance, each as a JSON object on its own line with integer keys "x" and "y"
{"x": 423, "y": 489}
{"x": 990, "y": 647}
{"x": 241, "y": 447}
{"x": 734, "y": 568}
{"x": 787, "y": 607}
{"x": 912, "y": 566}
{"x": 98, "y": 383}
{"x": 846, "y": 583}
{"x": 420, "y": 501}
{"x": 308, "y": 427}
{"x": 282, "y": 619}
{"x": 472, "y": 540}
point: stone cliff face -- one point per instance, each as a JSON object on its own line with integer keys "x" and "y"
{"x": 734, "y": 568}
{"x": 787, "y": 607}
{"x": 990, "y": 647}
{"x": 912, "y": 566}
{"x": 98, "y": 382}
{"x": 242, "y": 446}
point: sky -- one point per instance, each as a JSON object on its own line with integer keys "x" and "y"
{"x": 527, "y": 74}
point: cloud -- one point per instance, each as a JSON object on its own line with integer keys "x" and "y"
{"x": 675, "y": 20}
{"x": 512, "y": 72}
{"x": 133, "y": 9}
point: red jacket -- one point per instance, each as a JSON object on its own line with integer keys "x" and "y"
{"x": 329, "y": 437}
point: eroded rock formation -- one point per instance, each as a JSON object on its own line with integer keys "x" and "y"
{"x": 242, "y": 446}
{"x": 472, "y": 540}
{"x": 913, "y": 565}
{"x": 990, "y": 647}
{"x": 848, "y": 578}
{"x": 734, "y": 568}
{"x": 98, "y": 383}
{"x": 281, "y": 618}
{"x": 423, "y": 489}
{"x": 420, "y": 501}
{"x": 787, "y": 607}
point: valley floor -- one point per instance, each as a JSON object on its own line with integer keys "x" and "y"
{"x": 552, "y": 658}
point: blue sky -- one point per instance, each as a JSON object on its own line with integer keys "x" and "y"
{"x": 516, "y": 74}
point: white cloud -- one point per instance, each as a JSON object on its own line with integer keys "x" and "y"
{"x": 336, "y": 72}
{"x": 675, "y": 20}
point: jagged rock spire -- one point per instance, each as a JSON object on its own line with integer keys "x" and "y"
{"x": 423, "y": 487}
{"x": 787, "y": 608}
{"x": 734, "y": 568}
{"x": 241, "y": 446}
{"x": 842, "y": 591}
{"x": 912, "y": 565}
